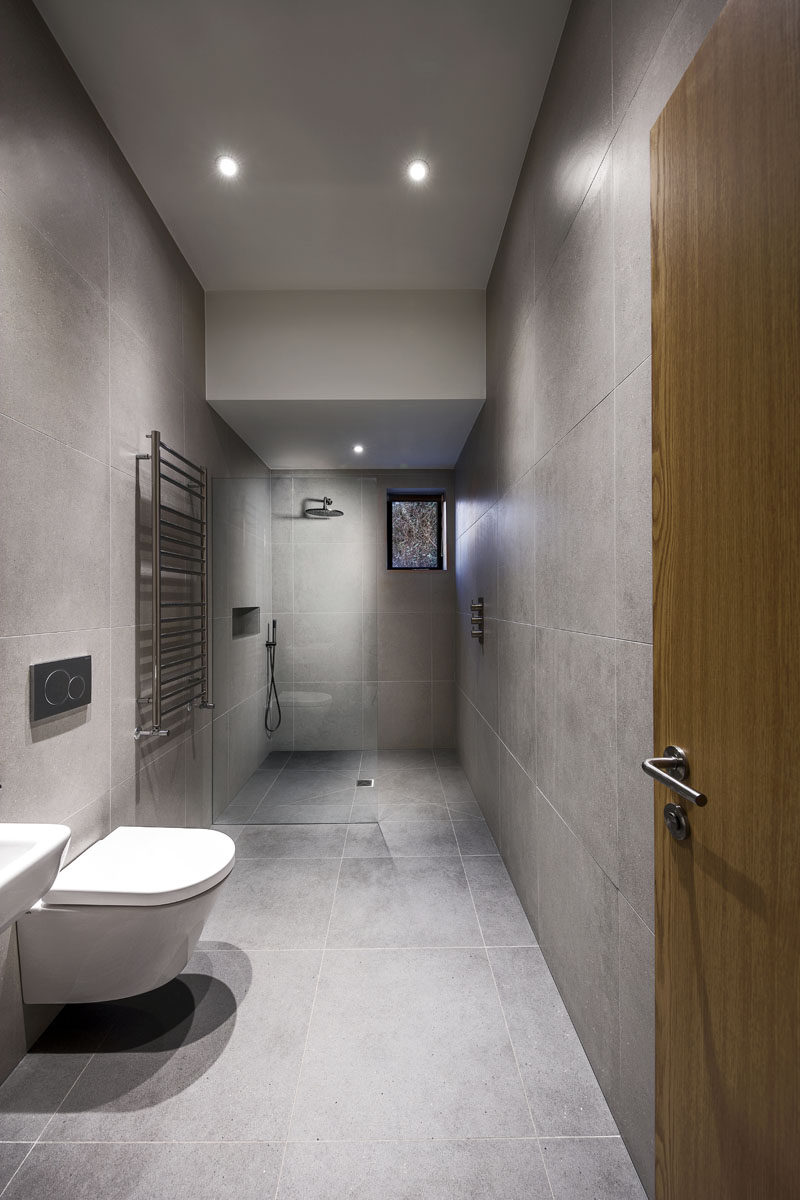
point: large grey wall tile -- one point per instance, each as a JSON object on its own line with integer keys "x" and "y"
{"x": 53, "y": 341}
{"x": 198, "y": 778}
{"x": 573, "y": 128}
{"x": 327, "y": 577}
{"x": 515, "y": 552}
{"x": 57, "y": 571}
{"x": 579, "y": 934}
{"x": 636, "y": 1112}
{"x": 483, "y": 774}
{"x": 574, "y": 320}
{"x": 52, "y": 768}
{"x": 193, "y": 327}
{"x": 404, "y": 646}
{"x": 514, "y": 402}
{"x": 477, "y": 666}
{"x": 476, "y": 470}
{"x": 574, "y": 555}
{"x": 53, "y": 148}
{"x": 509, "y": 292}
{"x": 443, "y": 714}
{"x": 635, "y": 790}
{"x": 639, "y": 26}
{"x": 328, "y": 646}
{"x": 516, "y": 716}
{"x": 404, "y": 715}
{"x": 144, "y": 266}
{"x": 144, "y": 395}
{"x": 545, "y": 710}
{"x": 518, "y": 832}
{"x": 337, "y": 725}
{"x": 634, "y": 488}
{"x": 443, "y": 645}
{"x": 402, "y": 591}
{"x": 585, "y": 785}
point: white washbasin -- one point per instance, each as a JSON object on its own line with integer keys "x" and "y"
{"x": 30, "y": 857}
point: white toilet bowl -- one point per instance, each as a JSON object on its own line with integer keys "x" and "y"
{"x": 124, "y": 917}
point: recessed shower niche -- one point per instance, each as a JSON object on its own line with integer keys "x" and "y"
{"x": 245, "y": 622}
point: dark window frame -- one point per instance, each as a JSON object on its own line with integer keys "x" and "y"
{"x": 439, "y": 498}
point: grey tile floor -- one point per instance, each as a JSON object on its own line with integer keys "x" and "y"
{"x": 368, "y": 1015}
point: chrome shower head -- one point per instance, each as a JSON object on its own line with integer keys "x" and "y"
{"x": 325, "y": 511}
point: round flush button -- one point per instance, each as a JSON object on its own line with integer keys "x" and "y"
{"x": 77, "y": 686}
{"x": 56, "y": 687}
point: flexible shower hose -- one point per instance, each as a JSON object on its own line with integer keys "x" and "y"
{"x": 272, "y": 691}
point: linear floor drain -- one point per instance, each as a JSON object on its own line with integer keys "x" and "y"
{"x": 365, "y": 783}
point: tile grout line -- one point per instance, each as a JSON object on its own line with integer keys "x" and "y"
{"x": 311, "y": 1015}
{"x": 499, "y": 998}
{"x": 57, "y": 1110}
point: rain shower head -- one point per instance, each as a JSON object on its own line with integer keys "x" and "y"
{"x": 325, "y": 511}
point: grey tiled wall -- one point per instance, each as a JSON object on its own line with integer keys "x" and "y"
{"x": 379, "y": 643}
{"x": 101, "y": 340}
{"x": 553, "y": 528}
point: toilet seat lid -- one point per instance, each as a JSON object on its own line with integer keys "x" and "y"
{"x": 139, "y": 867}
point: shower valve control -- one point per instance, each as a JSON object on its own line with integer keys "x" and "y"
{"x": 476, "y": 618}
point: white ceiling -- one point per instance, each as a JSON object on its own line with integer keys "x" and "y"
{"x": 324, "y": 102}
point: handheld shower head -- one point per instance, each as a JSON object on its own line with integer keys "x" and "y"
{"x": 325, "y": 511}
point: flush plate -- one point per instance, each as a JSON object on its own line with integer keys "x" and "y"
{"x": 365, "y": 783}
{"x": 60, "y": 686}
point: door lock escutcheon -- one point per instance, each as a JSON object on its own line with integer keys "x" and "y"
{"x": 676, "y": 822}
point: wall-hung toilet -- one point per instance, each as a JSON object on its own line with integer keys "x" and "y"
{"x": 124, "y": 917}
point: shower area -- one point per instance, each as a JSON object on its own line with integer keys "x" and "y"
{"x": 330, "y": 666}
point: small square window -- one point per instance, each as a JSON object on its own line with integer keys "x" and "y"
{"x": 414, "y": 531}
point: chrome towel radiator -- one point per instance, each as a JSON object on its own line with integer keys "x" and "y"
{"x": 180, "y": 648}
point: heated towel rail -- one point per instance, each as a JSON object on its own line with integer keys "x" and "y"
{"x": 180, "y": 650}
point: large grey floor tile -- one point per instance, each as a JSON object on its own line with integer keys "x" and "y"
{"x": 474, "y": 836}
{"x": 348, "y": 761}
{"x": 591, "y": 1169}
{"x": 564, "y": 1096}
{"x": 213, "y": 1056}
{"x": 502, "y": 919}
{"x": 33, "y": 1092}
{"x": 322, "y": 810}
{"x": 291, "y": 841}
{"x": 304, "y": 784}
{"x": 255, "y": 789}
{"x": 408, "y": 1043}
{"x": 171, "y": 1171}
{"x": 481, "y": 1170}
{"x": 399, "y": 837}
{"x": 403, "y": 902}
{"x": 11, "y": 1155}
{"x": 387, "y": 762}
{"x": 274, "y": 904}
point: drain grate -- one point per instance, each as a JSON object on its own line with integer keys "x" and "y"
{"x": 365, "y": 783}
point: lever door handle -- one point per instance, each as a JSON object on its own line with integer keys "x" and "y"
{"x": 673, "y": 770}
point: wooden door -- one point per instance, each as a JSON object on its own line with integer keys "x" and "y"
{"x": 725, "y": 159}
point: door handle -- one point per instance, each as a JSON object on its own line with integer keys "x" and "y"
{"x": 673, "y": 770}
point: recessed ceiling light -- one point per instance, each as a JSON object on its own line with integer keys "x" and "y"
{"x": 358, "y": 448}
{"x": 227, "y": 166}
{"x": 418, "y": 170}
